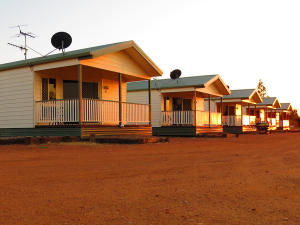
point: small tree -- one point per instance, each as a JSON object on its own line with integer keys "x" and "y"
{"x": 262, "y": 89}
{"x": 294, "y": 118}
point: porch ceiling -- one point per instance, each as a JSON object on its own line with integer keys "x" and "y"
{"x": 71, "y": 73}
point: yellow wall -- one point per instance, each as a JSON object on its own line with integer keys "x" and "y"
{"x": 110, "y": 90}
{"x": 112, "y": 82}
{"x": 119, "y": 61}
{"x": 238, "y": 110}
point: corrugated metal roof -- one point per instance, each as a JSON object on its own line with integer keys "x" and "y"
{"x": 56, "y": 57}
{"x": 285, "y": 106}
{"x": 268, "y": 101}
{"x": 239, "y": 94}
{"x": 194, "y": 81}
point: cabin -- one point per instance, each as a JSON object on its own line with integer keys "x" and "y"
{"x": 237, "y": 116}
{"x": 268, "y": 111}
{"x": 76, "y": 93}
{"x": 284, "y": 116}
{"x": 177, "y": 106}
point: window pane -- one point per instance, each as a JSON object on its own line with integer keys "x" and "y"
{"x": 45, "y": 89}
{"x": 52, "y": 89}
{"x": 187, "y": 104}
{"x": 70, "y": 89}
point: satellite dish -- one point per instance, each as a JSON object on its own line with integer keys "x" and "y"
{"x": 175, "y": 74}
{"x": 61, "y": 40}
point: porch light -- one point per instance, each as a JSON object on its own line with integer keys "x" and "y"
{"x": 105, "y": 88}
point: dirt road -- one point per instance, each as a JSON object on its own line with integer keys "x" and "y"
{"x": 253, "y": 179}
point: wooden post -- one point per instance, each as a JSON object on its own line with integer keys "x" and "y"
{"x": 242, "y": 114}
{"x": 209, "y": 110}
{"x": 221, "y": 107}
{"x": 195, "y": 108}
{"x": 79, "y": 94}
{"x": 221, "y": 111}
{"x": 149, "y": 102}
{"x": 120, "y": 100}
{"x": 249, "y": 114}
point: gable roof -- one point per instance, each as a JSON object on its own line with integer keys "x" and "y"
{"x": 285, "y": 106}
{"x": 241, "y": 93}
{"x": 269, "y": 101}
{"x": 244, "y": 94}
{"x": 195, "y": 81}
{"x": 81, "y": 53}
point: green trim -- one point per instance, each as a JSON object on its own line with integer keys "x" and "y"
{"x": 233, "y": 129}
{"x": 174, "y": 131}
{"x": 80, "y": 53}
{"x": 34, "y": 132}
{"x": 184, "y": 82}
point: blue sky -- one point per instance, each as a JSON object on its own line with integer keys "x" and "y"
{"x": 242, "y": 41}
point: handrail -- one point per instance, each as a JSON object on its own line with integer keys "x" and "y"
{"x": 187, "y": 117}
{"x": 91, "y": 99}
{"x": 96, "y": 111}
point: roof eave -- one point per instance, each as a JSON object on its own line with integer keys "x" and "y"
{"x": 42, "y": 61}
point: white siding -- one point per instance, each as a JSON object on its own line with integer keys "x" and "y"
{"x": 141, "y": 97}
{"x": 156, "y": 107}
{"x": 16, "y": 98}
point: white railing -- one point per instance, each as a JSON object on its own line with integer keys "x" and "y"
{"x": 249, "y": 120}
{"x": 272, "y": 122}
{"x": 187, "y": 118}
{"x": 177, "y": 118}
{"x": 57, "y": 111}
{"x": 285, "y": 123}
{"x": 99, "y": 111}
{"x": 133, "y": 113}
{"x": 94, "y": 111}
{"x": 202, "y": 118}
{"x": 232, "y": 120}
{"x": 215, "y": 118}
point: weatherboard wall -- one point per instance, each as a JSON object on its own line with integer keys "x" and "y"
{"x": 141, "y": 97}
{"x": 16, "y": 98}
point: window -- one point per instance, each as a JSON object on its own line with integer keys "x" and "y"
{"x": 89, "y": 89}
{"x": 166, "y": 104}
{"x": 177, "y": 104}
{"x": 48, "y": 89}
{"x": 180, "y": 104}
{"x": 187, "y": 104}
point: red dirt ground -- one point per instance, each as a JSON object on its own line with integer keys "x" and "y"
{"x": 253, "y": 179}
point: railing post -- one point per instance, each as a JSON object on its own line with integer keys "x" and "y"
{"x": 120, "y": 100}
{"x": 79, "y": 94}
{"x": 149, "y": 102}
{"x": 195, "y": 108}
{"x": 221, "y": 110}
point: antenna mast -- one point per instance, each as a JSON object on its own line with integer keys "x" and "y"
{"x": 25, "y": 35}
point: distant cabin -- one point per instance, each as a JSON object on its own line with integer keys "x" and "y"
{"x": 177, "y": 106}
{"x": 237, "y": 114}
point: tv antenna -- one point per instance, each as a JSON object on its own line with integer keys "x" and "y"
{"x": 24, "y": 47}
